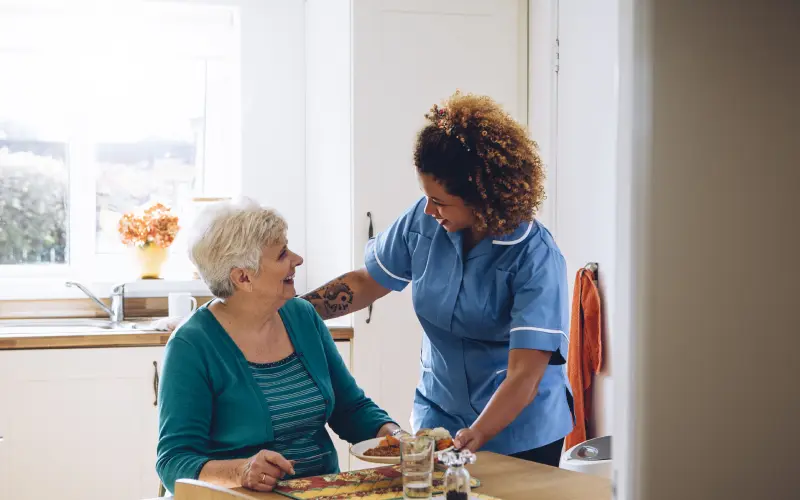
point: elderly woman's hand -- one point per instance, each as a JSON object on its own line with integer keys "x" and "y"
{"x": 263, "y": 470}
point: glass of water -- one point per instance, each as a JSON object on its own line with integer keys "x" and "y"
{"x": 416, "y": 464}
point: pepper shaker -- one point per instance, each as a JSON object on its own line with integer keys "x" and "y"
{"x": 457, "y": 477}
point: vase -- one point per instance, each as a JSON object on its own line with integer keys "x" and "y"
{"x": 150, "y": 259}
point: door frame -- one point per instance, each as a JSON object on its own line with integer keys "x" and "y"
{"x": 543, "y": 97}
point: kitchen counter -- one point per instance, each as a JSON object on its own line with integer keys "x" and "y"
{"x": 82, "y": 333}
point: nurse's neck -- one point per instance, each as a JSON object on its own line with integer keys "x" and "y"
{"x": 471, "y": 238}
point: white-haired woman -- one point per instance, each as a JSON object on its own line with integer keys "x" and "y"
{"x": 251, "y": 378}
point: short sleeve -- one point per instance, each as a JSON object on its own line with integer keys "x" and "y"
{"x": 540, "y": 311}
{"x": 387, "y": 256}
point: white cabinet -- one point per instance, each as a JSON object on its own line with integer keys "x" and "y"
{"x": 406, "y": 56}
{"x": 374, "y": 68}
{"x": 82, "y": 423}
{"x": 78, "y": 423}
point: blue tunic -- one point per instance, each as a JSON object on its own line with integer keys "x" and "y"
{"x": 506, "y": 293}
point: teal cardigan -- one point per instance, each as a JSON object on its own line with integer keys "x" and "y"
{"x": 210, "y": 407}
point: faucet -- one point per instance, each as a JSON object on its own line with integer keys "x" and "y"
{"x": 116, "y": 313}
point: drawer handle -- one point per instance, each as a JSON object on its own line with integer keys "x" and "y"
{"x": 155, "y": 383}
{"x": 370, "y": 235}
{"x": 371, "y": 229}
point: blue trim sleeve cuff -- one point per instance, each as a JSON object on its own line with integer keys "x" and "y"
{"x": 540, "y": 339}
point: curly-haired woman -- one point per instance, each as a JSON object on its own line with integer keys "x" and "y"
{"x": 489, "y": 285}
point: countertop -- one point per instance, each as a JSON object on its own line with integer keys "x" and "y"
{"x": 52, "y": 337}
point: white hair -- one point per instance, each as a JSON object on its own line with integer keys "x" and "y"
{"x": 229, "y": 235}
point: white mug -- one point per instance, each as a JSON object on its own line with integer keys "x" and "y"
{"x": 181, "y": 304}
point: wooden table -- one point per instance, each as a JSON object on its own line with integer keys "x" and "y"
{"x": 514, "y": 479}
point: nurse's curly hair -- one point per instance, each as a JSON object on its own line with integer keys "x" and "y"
{"x": 483, "y": 156}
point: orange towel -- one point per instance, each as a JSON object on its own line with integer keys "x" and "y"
{"x": 585, "y": 352}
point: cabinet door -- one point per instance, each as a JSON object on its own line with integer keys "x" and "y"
{"x": 78, "y": 423}
{"x": 342, "y": 447}
{"x": 408, "y": 55}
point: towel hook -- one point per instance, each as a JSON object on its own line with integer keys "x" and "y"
{"x": 594, "y": 268}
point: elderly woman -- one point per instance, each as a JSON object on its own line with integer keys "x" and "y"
{"x": 251, "y": 378}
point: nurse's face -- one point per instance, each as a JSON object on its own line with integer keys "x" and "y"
{"x": 448, "y": 210}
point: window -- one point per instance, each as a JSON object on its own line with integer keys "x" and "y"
{"x": 102, "y": 111}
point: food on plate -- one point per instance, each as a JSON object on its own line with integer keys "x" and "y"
{"x": 390, "y": 445}
{"x": 387, "y": 447}
{"x": 442, "y": 437}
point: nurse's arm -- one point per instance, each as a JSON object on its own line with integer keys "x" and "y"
{"x": 526, "y": 368}
{"x": 346, "y": 294}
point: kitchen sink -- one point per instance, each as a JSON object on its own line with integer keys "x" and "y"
{"x": 66, "y": 325}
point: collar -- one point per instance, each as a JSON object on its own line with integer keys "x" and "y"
{"x": 518, "y": 236}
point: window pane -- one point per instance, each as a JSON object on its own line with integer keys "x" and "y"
{"x": 149, "y": 144}
{"x": 134, "y": 174}
{"x": 33, "y": 202}
{"x": 34, "y": 174}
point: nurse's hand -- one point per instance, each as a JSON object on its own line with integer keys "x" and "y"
{"x": 470, "y": 438}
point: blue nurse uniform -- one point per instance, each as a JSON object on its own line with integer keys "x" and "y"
{"x": 506, "y": 293}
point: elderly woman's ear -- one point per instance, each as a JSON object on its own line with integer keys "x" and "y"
{"x": 241, "y": 279}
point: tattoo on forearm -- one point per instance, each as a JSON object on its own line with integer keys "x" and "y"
{"x": 333, "y": 299}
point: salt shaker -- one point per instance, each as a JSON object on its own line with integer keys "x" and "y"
{"x": 456, "y": 478}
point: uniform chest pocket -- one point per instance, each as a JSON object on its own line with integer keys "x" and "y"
{"x": 419, "y": 247}
{"x": 500, "y": 297}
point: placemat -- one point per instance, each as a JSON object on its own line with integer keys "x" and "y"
{"x": 381, "y": 483}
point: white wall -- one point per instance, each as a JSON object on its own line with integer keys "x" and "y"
{"x": 328, "y": 143}
{"x": 273, "y": 112}
{"x": 578, "y": 134}
{"x": 709, "y": 146}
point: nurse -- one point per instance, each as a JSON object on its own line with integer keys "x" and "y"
{"x": 488, "y": 283}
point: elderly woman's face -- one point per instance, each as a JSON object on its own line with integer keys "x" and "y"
{"x": 276, "y": 276}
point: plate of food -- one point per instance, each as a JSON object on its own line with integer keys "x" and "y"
{"x": 386, "y": 450}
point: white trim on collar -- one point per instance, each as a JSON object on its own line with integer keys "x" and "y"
{"x": 514, "y": 242}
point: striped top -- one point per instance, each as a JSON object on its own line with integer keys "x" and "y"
{"x": 297, "y": 409}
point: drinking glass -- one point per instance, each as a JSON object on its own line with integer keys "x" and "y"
{"x": 416, "y": 464}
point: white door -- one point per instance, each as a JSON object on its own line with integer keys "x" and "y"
{"x": 407, "y": 56}
{"x": 585, "y": 200}
{"x": 78, "y": 423}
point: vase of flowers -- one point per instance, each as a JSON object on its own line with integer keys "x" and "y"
{"x": 149, "y": 233}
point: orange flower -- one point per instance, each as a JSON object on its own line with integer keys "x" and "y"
{"x": 155, "y": 226}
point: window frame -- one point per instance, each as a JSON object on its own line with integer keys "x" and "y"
{"x": 218, "y": 44}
